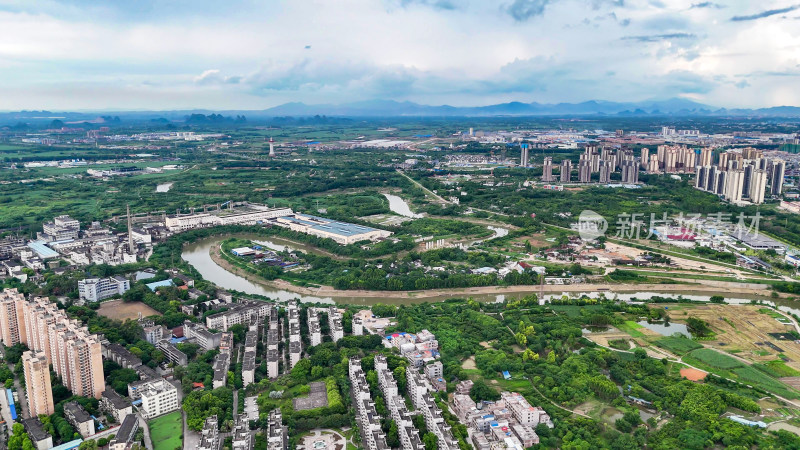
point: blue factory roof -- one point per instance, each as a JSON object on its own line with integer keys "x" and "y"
{"x": 157, "y": 284}
{"x": 331, "y": 226}
{"x": 42, "y": 250}
{"x": 69, "y": 445}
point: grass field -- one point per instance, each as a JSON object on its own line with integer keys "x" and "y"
{"x": 715, "y": 359}
{"x": 166, "y": 431}
{"x": 678, "y": 345}
{"x": 631, "y": 327}
{"x": 574, "y": 310}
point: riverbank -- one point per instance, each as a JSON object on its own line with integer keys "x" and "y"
{"x": 707, "y": 288}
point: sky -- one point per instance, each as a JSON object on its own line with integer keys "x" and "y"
{"x": 246, "y": 54}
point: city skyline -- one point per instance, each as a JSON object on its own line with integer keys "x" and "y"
{"x": 76, "y": 55}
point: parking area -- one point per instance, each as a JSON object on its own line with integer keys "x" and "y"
{"x": 251, "y": 408}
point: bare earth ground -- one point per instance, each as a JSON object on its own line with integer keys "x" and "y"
{"x": 693, "y": 374}
{"x": 617, "y": 251}
{"x": 119, "y": 310}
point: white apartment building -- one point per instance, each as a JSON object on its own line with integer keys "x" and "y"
{"x": 97, "y": 289}
{"x": 242, "y": 313}
{"x": 314, "y": 328}
{"x": 335, "y": 323}
{"x": 523, "y": 411}
{"x": 158, "y": 397}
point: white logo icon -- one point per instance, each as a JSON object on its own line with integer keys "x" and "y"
{"x": 591, "y": 225}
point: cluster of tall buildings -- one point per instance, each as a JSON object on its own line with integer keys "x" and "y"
{"x": 367, "y": 417}
{"x": 420, "y": 392}
{"x": 741, "y": 176}
{"x": 406, "y": 432}
{"x": 54, "y": 340}
{"x": 602, "y": 161}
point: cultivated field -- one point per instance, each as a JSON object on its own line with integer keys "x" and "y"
{"x": 119, "y": 310}
{"x": 748, "y": 331}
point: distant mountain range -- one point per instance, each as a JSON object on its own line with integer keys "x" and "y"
{"x": 676, "y": 107}
{"x": 389, "y": 108}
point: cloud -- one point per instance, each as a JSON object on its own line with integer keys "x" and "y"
{"x": 522, "y": 10}
{"x": 214, "y": 76}
{"x": 447, "y": 5}
{"x": 763, "y": 14}
{"x": 659, "y": 37}
{"x": 742, "y": 84}
{"x": 706, "y": 5}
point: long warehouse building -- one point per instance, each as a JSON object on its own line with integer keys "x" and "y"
{"x": 341, "y": 232}
{"x": 248, "y": 214}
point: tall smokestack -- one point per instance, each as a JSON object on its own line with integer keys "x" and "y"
{"x": 271, "y": 148}
{"x": 131, "y": 248}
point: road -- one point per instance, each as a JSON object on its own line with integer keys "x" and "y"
{"x": 438, "y": 198}
{"x": 191, "y": 438}
{"x": 441, "y": 200}
{"x": 148, "y": 442}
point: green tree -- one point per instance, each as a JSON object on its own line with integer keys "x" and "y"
{"x": 430, "y": 441}
{"x": 19, "y": 439}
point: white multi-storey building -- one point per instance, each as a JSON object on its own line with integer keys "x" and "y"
{"x": 97, "y": 289}
{"x": 335, "y": 323}
{"x": 242, "y": 313}
{"x": 314, "y": 328}
{"x": 158, "y": 397}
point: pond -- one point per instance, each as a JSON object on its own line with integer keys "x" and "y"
{"x": 399, "y": 206}
{"x": 164, "y": 187}
{"x": 666, "y": 329}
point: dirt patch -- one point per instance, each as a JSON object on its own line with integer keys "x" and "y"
{"x": 693, "y": 374}
{"x": 469, "y": 363}
{"x": 119, "y": 310}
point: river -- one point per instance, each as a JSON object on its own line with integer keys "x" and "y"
{"x": 198, "y": 255}
{"x": 399, "y": 206}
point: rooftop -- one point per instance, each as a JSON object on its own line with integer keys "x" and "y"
{"x": 332, "y": 226}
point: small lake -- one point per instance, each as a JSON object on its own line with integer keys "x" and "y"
{"x": 400, "y": 206}
{"x": 666, "y": 329}
{"x": 164, "y": 187}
